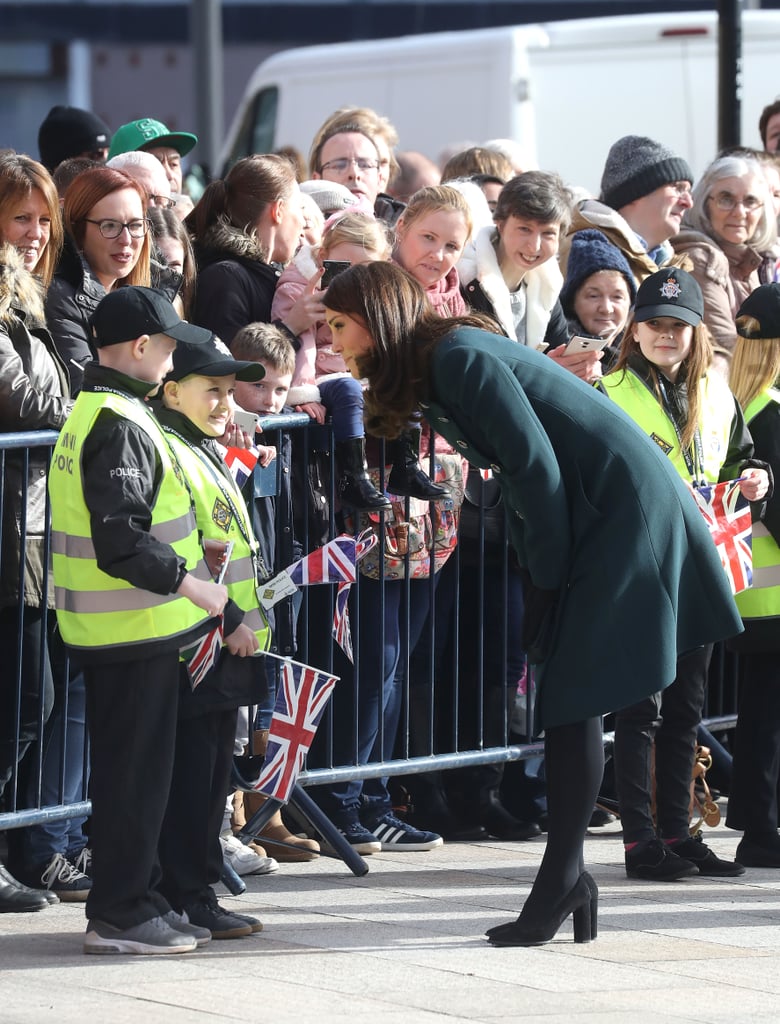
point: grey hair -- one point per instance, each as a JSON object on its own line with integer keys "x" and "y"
{"x": 729, "y": 166}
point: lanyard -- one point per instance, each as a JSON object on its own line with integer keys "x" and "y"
{"x": 694, "y": 456}
{"x": 225, "y": 485}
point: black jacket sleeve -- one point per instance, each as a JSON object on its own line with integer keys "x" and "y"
{"x": 122, "y": 474}
{"x": 557, "y": 332}
{"x": 69, "y": 329}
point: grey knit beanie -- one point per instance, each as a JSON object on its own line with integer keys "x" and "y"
{"x": 637, "y": 166}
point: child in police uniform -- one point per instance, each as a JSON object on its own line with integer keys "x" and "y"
{"x": 132, "y": 588}
{"x": 197, "y": 408}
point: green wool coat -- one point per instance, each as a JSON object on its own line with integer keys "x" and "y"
{"x": 596, "y": 512}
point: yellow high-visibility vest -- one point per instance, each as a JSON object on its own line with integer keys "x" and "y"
{"x": 94, "y": 610}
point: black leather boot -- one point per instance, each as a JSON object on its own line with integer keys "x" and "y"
{"x": 16, "y": 898}
{"x": 407, "y": 475}
{"x": 354, "y": 486}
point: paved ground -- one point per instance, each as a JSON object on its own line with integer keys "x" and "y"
{"x": 404, "y": 944}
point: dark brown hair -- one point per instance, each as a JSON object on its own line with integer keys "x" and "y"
{"x": 405, "y": 330}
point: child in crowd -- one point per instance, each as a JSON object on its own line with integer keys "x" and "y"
{"x": 322, "y": 383}
{"x": 663, "y": 379}
{"x": 197, "y": 406}
{"x": 272, "y": 519}
{"x": 127, "y": 554}
{"x": 753, "y": 804}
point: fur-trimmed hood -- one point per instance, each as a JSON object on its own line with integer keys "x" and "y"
{"x": 20, "y": 291}
{"x": 224, "y": 242}
{"x": 543, "y": 285}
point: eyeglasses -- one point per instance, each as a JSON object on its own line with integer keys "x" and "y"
{"x": 343, "y": 162}
{"x": 726, "y": 201}
{"x": 682, "y": 188}
{"x": 114, "y": 228}
{"x": 164, "y": 202}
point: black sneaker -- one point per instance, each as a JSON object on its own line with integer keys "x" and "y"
{"x": 696, "y": 850}
{"x": 395, "y": 834}
{"x": 254, "y": 923}
{"x": 60, "y": 877}
{"x": 759, "y": 852}
{"x": 220, "y": 922}
{"x": 654, "y": 861}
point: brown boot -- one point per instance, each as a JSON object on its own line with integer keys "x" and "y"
{"x": 238, "y": 820}
{"x": 273, "y": 832}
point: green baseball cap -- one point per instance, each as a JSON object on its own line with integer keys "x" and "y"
{"x": 147, "y": 132}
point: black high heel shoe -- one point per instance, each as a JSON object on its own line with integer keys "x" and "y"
{"x": 581, "y": 902}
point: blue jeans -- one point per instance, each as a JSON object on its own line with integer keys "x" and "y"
{"x": 367, "y": 703}
{"x": 343, "y": 398}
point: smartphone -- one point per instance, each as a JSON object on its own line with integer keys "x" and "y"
{"x": 246, "y": 420}
{"x": 580, "y": 344}
{"x": 332, "y": 269}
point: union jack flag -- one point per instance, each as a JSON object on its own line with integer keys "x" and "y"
{"x": 727, "y": 512}
{"x": 300, "y": 703}
{"x": 241, "y": 462}
{"x": 342, "y": 632}
{"x": 203, "y": 655}
{"x": 334, "y": 562}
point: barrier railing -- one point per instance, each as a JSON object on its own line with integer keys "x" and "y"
{"x": 456, "y": 691}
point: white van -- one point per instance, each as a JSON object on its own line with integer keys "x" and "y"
{"x": 565, "y": 90}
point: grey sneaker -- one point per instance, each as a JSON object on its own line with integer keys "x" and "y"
{"x": 181, "y": 923}
{"x": 152, "y": 937}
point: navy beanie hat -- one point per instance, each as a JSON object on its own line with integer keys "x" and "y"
{"x": 69, "y": 131}
{"x": 637, "y": 166}
{"x": 591, "y": 251}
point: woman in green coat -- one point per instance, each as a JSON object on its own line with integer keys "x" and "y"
{"x": 621, "y": 573}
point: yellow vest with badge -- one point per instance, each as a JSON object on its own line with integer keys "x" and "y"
{"x": 717, "y": 413}
{"x": 94, "y": 610}
{"x": 222, "y": 515}
{"x": 762, "y": 600}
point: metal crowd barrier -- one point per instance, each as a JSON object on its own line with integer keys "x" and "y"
{"x": 450, "y": 673}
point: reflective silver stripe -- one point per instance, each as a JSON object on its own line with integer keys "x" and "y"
{"x": 239, "y": 570}
{"x": 92, "y": 601}
{"x": 766, "y": 577}
{"x": 130, "y": 600}
{"x": 174, "y": 529}
{"x": 255, "y": 620}
{"x": 70, "y": 546}
{"x": 82, "y": 547}
{"x": 759, "y": 530}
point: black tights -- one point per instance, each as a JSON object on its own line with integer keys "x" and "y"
{"x": 574, "y": 765}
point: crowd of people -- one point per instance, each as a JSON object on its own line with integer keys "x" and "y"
{"x": 511, "y": 368}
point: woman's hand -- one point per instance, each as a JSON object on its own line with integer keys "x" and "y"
{"x": 307, "y": 308}
{"x": 316, "y": 410}
{"x": 754, "y": 483}
{"x": 585, "y": 365}
{"x": 242, "y": 642}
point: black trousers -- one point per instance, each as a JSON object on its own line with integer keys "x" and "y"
{"x": 756, "y": 754}
{"x": 190, "y": 851}
{"x": 670, "y": 718}
{"x": 131, "y": 714}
